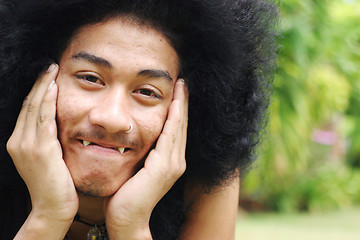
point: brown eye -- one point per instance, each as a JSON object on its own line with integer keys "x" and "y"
{"x": 90, "y": 78}
{"x": 147, "y": 92}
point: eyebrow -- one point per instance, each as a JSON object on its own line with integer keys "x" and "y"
{"x": 152, "y": 73}
{"x": 93, "y": 59}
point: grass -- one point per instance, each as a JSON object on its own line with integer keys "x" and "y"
{"x": 337, "y": 225}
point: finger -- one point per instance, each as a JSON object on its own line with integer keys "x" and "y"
{"x": 167, "y": 138}
{"x": 184, "y": 124}
{"x": 46, "y": 121}
{"x": 164, "y": 159}
{"x": 20, "y": 123}
{"x": 169, "y": 144}
{"x": 33, "y": 107}
{"x": 169, "y": 135}
{"x": 180, "y": 143}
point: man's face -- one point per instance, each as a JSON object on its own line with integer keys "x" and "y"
{"x": 113, "y": 74}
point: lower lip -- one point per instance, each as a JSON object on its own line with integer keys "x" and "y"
{"x": 101, "y": 150}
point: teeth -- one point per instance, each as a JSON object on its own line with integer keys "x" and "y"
{"x": 120, "y": 149}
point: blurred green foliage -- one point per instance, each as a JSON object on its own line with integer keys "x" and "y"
{"x": 310, "y": 156}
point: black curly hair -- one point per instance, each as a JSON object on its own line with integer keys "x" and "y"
{"x": 227, "y": 52}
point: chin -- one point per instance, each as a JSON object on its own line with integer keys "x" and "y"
{"x": 95, "y": 191}
{"x": 98, "y": 185}
{"x": 99, "y": 181}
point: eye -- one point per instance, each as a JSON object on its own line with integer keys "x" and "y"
{"x": 147, "y": 92}
{"x": 90, "y": 78}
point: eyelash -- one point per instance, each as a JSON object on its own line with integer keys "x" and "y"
{"x": 152, "y": 93}
{"x": 141, "y": 90}
{"x": 86, "y": 78}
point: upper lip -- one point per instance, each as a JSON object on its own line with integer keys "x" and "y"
{"x": 106, "y": 144}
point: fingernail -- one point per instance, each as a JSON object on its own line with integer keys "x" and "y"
{"x": 181, "y": 80}
{"x": 51, "y": 68}
{"x": 51, "y": 85}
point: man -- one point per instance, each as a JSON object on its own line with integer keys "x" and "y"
{"x": 101, "y": 136}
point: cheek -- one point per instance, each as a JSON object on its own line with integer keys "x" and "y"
{"x": 64, "y": 115}
{"x": 65, "y": 108}
{"x": 69, "y": 109}
{"x": 151, "y": 124}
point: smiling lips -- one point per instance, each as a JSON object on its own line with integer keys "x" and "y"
{"x": 120, "y": 149}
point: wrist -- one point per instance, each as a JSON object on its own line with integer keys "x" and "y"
{"x": 53, "y": 215}
{"x": 40, "y": 226}
{"x": 129, "y": 233}
{"x": 63, "y": 211}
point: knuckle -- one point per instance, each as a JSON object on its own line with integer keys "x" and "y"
{"x": 18, "y": 149}
{"x": 31, "y": 107}
{"x": 176, "y": 171}
{"x": 182, "y": 168}
{"x": 42, "y": 118}
{"x": 24, "y": 147}
{"x": 180, "y": 171}
{"x": 26, "y": 101}
{"x": 11, "y": 146}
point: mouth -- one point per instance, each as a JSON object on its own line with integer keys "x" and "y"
{"x": 121, "y": 150}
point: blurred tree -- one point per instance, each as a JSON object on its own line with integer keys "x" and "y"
{"x": 316, "y": 106}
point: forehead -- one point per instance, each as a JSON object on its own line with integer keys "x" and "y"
{"x": 123, "y": 39}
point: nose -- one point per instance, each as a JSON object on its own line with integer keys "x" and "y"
{"x": 111, "y": 112}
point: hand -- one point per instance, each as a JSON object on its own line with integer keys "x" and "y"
{"x": 128, "y": 211}
{"x": 37, "y": 155}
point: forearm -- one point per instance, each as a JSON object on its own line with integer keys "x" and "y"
{"x": 39, "y": 227}
{"x": 130, "y": 233}
{"x": 212, "y": 216}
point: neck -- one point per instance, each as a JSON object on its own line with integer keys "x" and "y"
{"x": 91, "y": 210}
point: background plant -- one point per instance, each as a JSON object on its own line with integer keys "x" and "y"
{"x": 310, "y": 157}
